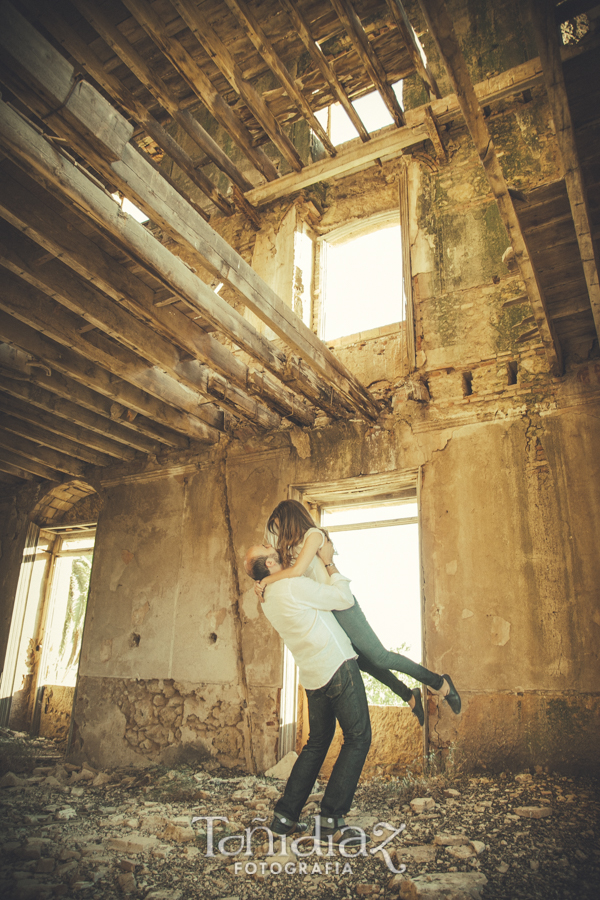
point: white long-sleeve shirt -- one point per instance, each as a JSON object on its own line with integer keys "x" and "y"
{"x": 300, "y": 610}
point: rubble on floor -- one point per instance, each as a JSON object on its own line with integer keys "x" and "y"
{"x": 158, "y": 834}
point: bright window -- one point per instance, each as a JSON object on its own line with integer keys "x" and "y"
{"x": 362, "y": 283}
{"x": 378, "y": 548}
{"x": 371, "y": 110}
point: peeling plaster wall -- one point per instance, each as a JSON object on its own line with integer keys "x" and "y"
{"x": 509, "y": 514}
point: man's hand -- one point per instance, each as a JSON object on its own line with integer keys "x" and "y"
{"x": 326, "y": 553}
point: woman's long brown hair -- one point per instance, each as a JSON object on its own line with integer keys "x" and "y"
{"x": 289, "y": 522}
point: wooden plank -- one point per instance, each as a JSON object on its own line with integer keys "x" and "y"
{"x": 358, "y": 36}
{"x": 200, "y": 84}
{"x": 137, "y": 64}
{"x": 413, "y": 45}
{"x": 318, "y": 58}
{"x": 442, "y": 31}
{"x": 35, "y": 153}
{"x": 435, "y": 136}
{"x": 85, "y": 56}
{"x": 85, "y": 444}
{"x": 28, "y": 305}
{"x": 546, "y": 34}
{"x": 23, "y": 49}
{"x": 38, "y": 453}
{"x": 34, "y": 432}
{"x": 391, "y": 142}
{"x": 171, "y": 212}
{"x": 90, "y": 266}
{"x": 69, "y": 399}
{"x": 256, "y": 34}
{"x": 22, "y": 467}
{"x": 199, "y": 25}
{"x": 58, "y": 281}
{"x": 75, "y": 366}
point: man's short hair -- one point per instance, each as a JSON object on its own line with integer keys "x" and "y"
{"x": 257, "y": 567}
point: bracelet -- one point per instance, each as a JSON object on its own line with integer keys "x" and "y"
{"x": 329, "y": 565}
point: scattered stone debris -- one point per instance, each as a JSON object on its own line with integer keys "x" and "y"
{"x": 183, "y": 834}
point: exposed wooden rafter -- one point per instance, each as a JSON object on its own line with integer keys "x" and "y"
{"x": 546, "y": 33}
{"x": 92, "y": 447}
{"x": 86, "y": 57}
{"x": 391, "y": 143}
{"x": 200, "y": 84}
{"x": 71, "y": 290}
{"x": 360, "y": 41}
{"x": 442, "y": 31}
{"x": 76, "y": 368}
{"x": 64, "y": 397}
{"x": 137, "y": 64}
{"x": 220, "y": 55}
{"x": 256, "y": 34}
{"x": 321, "y": 63}
{"x": 413, "y": 45}
{"x": 45, "y": 224}
{"x": 329, "y": 384}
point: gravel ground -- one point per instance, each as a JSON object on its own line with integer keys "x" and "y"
{"x": 76, "y": 832}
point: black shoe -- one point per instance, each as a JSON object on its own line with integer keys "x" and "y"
{"x": 452, "y": 698}
{"x": 282, "y": 826}
{"x": 335, "y": 831}
{"x": 417, "y": 709}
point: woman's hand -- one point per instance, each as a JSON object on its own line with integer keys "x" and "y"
{"x": 259, "y": 586}
{"x": 326, "y": 553}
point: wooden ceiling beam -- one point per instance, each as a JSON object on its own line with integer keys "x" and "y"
{"x": 546, "y": 35}
{"x": 29, "y": 305}
{"x": 201, "y": 85}
{"x": 413, "y": 45}
{"x": 82, "y": 405}
{"x": 16, "y": 464}
{"x": 322, "y": 376}
{"x": 38, "y": 453}
{"x": 319, "y": 59}
{"x": 36, "y": 154}
{"x": 159, "y": 90}
{"x": 94, "y": 271}
{"x": 198, "y": 24}
{"x": 263, "y": 45}
{"x": 442, "y": 31}
{"x": 86, "y": 58}
{"x": 26, "y": 428}
{"x": 94, "y": 448}
{"x": 391, "y": 142}
{"x": 367, "y": 56}
{"x": 56, "y": 279}
{"x": 75, "y": 366}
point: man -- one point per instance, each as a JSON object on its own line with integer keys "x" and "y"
{"x": 301, "y": 611}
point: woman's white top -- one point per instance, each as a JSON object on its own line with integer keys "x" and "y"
{"x": 316, "y": 569}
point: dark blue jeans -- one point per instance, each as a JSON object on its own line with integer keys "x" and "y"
{"x": 343, "y": 698}
{"x": 371, "y": 650}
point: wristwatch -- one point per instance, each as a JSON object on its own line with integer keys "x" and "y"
{"x": 329, "y": 565}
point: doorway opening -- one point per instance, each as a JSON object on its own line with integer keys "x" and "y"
{"x": 374, "y": 524}
{"x": 47, "y": 630}
{"x": 378, "y": 548}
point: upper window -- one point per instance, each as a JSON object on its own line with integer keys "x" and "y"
{"x": 371, "y": 109}
{"x": 362, "y": 281}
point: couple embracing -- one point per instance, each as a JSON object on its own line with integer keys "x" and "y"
{"x": 309, "y": 602}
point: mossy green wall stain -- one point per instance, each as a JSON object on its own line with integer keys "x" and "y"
{"x": 506, "y": 322}
{"x": 494, "y": 36}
